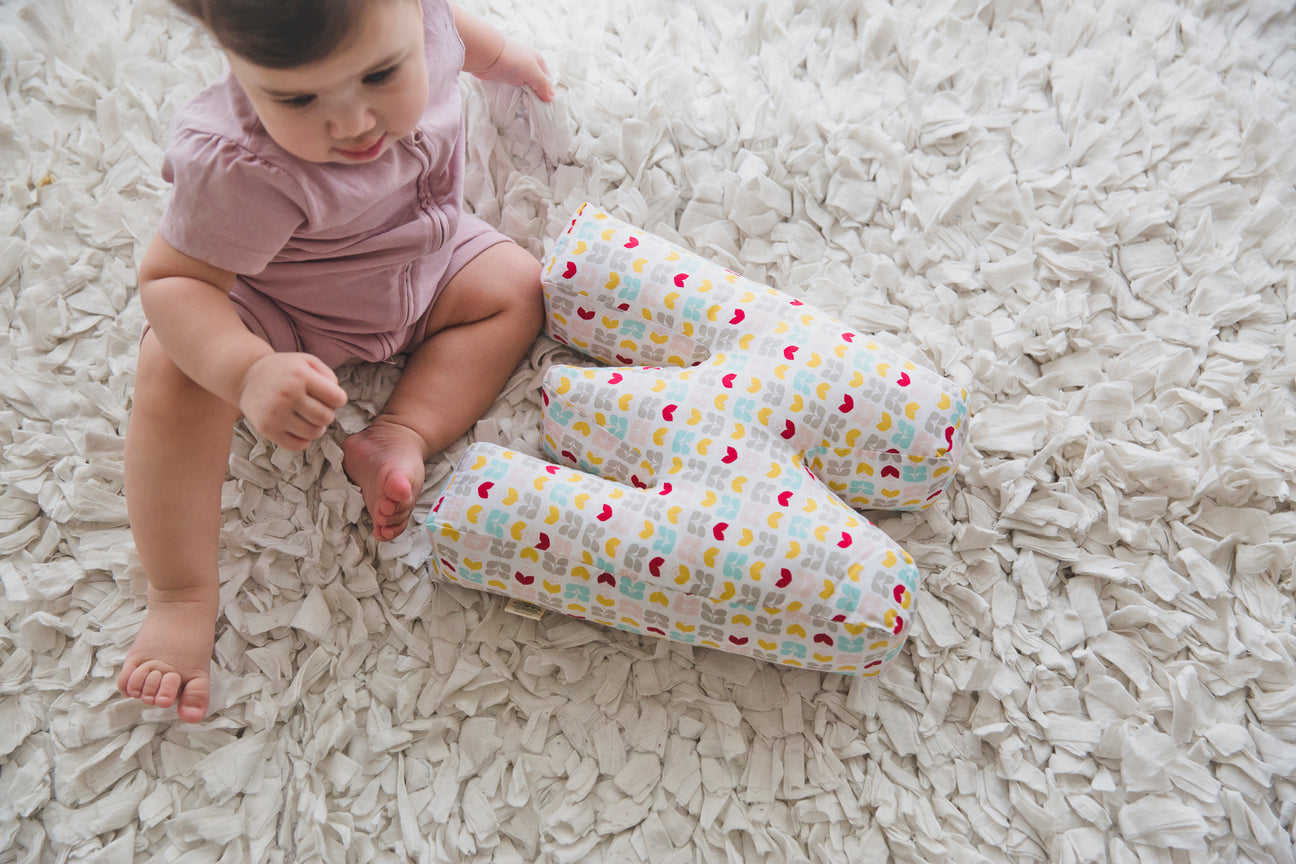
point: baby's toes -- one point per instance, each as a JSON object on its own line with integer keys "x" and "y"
{"x": 388, "y": 532}
{"x": 398, "y": 495}
{"x": 152, "y": 684}
{"x": 397, "y": 519}
{"x": 194, "y": 700}
{"x": 134, "y": 687}
{"x": 167, "y": 690}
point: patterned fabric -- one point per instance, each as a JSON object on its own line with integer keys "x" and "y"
{"x": 713, "y": 469}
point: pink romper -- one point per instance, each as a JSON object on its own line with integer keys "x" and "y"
{"x": 341, "y": 261}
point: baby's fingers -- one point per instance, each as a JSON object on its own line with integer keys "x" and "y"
{"x": 310, "y": 422}
{"x": 540, "y": 82}
{"x": 289, "y": 441}
{"x": 313, "y": 413}
{"x": 324, "y": 386}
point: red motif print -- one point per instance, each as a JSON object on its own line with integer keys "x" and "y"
{"x": 746, "y": 444}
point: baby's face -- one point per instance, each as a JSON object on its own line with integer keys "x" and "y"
{"x": 354, "y": 104}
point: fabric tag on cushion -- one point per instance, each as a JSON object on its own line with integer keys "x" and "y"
{"x": 705, "y": 487}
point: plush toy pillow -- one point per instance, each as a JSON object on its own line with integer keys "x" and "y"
{"x": 706, "y": 484}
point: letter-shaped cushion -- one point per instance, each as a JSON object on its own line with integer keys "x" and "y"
{"x": 707, "y": 483}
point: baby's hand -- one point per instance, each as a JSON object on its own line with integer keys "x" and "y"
{"x": 290, "y": 398}
{"x": 520, "y": 65}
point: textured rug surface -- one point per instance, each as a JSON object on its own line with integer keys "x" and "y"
{"x": 1082, "y": 212}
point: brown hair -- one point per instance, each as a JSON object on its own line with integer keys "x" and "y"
{"x": 277, "y": 34}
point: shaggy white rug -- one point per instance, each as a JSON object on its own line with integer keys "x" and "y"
{"x": 1081, "y": 211}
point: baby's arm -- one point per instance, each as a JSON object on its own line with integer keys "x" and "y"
{"x": 290, "y": 398}
{"x": 491, "y": 57}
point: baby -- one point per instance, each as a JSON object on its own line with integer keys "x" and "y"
{"x": 315, "y": 219}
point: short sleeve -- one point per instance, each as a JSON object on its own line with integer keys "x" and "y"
{"x": 229, "y": 207}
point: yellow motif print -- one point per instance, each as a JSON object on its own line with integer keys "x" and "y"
{"x": 723, "y": 532}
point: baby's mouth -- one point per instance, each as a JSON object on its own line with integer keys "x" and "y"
{"x": 367, "y": 152}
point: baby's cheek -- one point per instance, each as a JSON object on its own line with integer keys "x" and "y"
{"x": 305, "y": 141}
{"x": 411, "y": 105}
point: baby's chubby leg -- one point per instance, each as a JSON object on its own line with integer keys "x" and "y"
{"x": 177, "y": 454}
{"x": 483, "y": 323}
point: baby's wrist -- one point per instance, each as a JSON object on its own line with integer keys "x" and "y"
{"x": 248, "y": 366}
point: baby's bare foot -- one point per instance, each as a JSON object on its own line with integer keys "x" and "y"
{"x": 169, "y": 662}
{"x": 386, "y": 462}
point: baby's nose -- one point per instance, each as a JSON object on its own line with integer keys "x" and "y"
{"x": 351, "y": 121}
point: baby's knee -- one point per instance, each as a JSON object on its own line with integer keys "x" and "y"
{"x": 524, "y": 272}
{"x": 156, "y": 371}
{"x": 521, "y": 279}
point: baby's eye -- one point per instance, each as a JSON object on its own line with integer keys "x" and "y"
{"x": 382, "y": 76}
{"x": 298, "y": 101}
